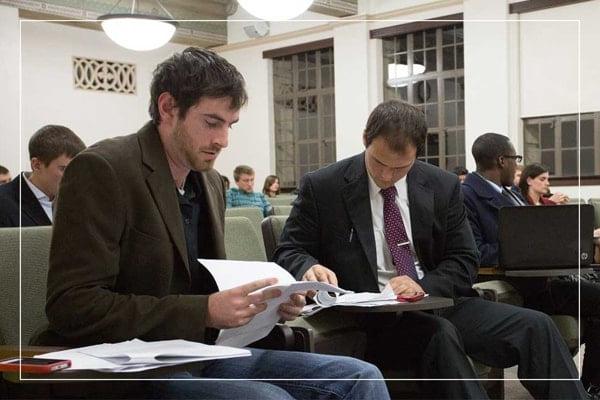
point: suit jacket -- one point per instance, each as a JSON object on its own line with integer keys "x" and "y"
{"x": 118, "y": 259}
{"x": 32, "y": 213}
{"x": 334, "y": 201}
{"x": 483, "y": 203}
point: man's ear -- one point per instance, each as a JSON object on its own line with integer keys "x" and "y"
{"x": 365, "y": 139}
{"x": 36, "y": 164}
{"x": 167, "y": 107}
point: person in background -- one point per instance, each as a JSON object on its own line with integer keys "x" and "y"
{"x": 461, "y": 172}
{"x": 4, "y": 175}
{"x": 517, "y": 176}
{"x": 485, "y": 192}
{"x": 271, "y": 186}
{"x": 51, "y": 149}
{"x": 244, "y": 195}
{"x": 535, "y": 186}
{"x": 225, "y": 182}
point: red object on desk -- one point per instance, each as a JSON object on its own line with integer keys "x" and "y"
{"x": 410, "y": 298}
{"x": 33, "y": 365}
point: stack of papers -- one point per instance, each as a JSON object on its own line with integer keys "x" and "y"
{"x": 137, "y": 355}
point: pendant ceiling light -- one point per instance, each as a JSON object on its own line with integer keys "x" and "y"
{"x": 136, "y": 31}
{"x": 275, "y": 10}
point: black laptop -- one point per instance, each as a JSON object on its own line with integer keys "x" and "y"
{"x": 546, "y": 237}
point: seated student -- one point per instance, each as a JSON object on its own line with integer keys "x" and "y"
{"x": 384, "y": 217}
{"x": 4, "y": 175}
{"x": 487, "y": 190}
{"x": 461, "y": 172}
{"x": 225, "y": 182}
{"x": 271, "y": 186}
{"x": 136, "y": 212}
{"x": 244, "y": 195}
{"x": 51, "y": 149}
{"x": 517, "y": 176}
{"x": 535, "y": 186}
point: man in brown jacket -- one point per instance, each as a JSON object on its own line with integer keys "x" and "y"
{"x": 135, "y": 213}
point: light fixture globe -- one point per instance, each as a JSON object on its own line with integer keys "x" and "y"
{"x": 138, "y": 32}
{"x": 275, "y": 10}
{"x": 397, "y": 74}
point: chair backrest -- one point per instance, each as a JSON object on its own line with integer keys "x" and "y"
{"x": 35, "y": 245}
{"x": 272, "y": 226}
{"x": 254, "y": 214}
{"x": 241, "y": 240}
{"x": 576, "y": 200}
{"x": 282, "y": 200}
{"x": 596, "y": 203}
{"x": 282, "y": 210}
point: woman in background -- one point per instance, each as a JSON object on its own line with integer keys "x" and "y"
{"x": 271, "y": 187}
{"x": 535, "y": 186}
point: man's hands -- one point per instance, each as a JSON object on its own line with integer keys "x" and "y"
{"x": 404, "y": 285}
{"x": 319, "y": 273}
{"x": 236, "y": 307}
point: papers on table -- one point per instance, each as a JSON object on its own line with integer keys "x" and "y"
{"x": 229, "y": 274}
{"x": 137, "y": 355}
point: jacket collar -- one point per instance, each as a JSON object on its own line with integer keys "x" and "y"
{"x": 30, "y": 206}
{"x": 485, "y": 191}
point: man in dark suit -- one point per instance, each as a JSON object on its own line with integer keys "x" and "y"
{"x": 4, "y": 175}
{"x": 135, "y": 213}
{"x": 485, "y": 192}
{"x": 51, "y": 149}
{"x": 384, "y": 218}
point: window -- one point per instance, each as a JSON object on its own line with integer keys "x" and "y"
{"x": 425, "y": 68}
{"x": 553, "y": 141}
{"x": 304, "y": 100}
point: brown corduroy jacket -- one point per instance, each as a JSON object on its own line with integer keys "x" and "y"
{"x": 118, "y": 260}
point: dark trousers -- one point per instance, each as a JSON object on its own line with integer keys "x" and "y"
{"x": 561, "y": 297}
{"x": 498, "y": 335}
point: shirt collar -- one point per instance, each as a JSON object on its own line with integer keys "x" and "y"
{"x": 34, "y": 189}
{"x": 374, "y": 189}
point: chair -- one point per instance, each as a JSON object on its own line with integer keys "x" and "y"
{"x": 282, "y": 210}
{"x": 281, "y": 200}
{"x": 596, "y": 203}
{"x": 272, "y": 226}
{"x": 241, "y": 240}
{"x": 254, "y": 214}
{"x": 576, "y": 200}
{"x": 35, "y": 243}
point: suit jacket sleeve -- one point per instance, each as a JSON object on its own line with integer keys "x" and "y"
{"x": 456, "y": 272}
{"x": 86, "y": 262}
{"x": 488, "y": 251}
{"x": 300, "y": 236}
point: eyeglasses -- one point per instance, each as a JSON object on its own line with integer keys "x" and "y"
{"x": 517, "y": 158}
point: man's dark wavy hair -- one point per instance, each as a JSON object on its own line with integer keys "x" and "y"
{"x": 192, "y": 74}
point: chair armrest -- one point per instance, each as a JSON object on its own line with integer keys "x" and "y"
{"x": 499, "y": 291}
{"x": 284, "y": 337}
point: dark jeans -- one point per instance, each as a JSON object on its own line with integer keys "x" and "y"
{"x": 495, "y": 334}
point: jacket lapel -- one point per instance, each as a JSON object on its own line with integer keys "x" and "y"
{"x": 358, "y": 207}
{"x": 30, "y": 206}
{"x": 161, "y": 185}
{"x": 420, "y": 200}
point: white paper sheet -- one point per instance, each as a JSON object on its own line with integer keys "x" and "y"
{"x": 137, "y": 355}
{"x": 229, "y": 274}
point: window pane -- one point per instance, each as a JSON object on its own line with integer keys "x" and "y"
{"x": 328, "y": 104}
{"x": 587, "y": 162}
{"x": 302, "y": 80}
{"x": 326, "y": 78}
{"x": 326, "y": 57}
{"x": 432, "y": 95}
{"x": 312, "y": 79}
{"x": 569, "y": 162}
{"x": 431, "y": 114}
{"x": 569, "y": 134}
{"x": 460, "y": 144}
{"x": 448, "y": 35}
{"x": 302, "y": 129}
{"x": 460, "y": 113}
{"x": 431, "y": 61}
{"x": 450, "y": 114}
{"x": 311, "y": 59}
{"x": 430, "y": 38}
{"x": 459, "y": 57}
{"x": 451, "y": 162}
{"x": 314, "y": 153}
{"x": 451, "y": 143}
{"x": 301, "y": 61}
{"x": 329, "y": 152}
{"x": 459, "y": 34}
{"x": 418, "y": 59}
{"x": 547, "y": 136}
{"x": 548, "y": 161}
{"x": 328, "y": 127}
{"x": 587, "y": 133}
{"x": 418, "y": 40}
{"x": 313, "y": 128}
{"x": 449, "y": 89}
{"x": 433, "y": 144}
{"x": 460, "y": 88}
{"x": 448, "y": 58}
{"x": 401, "y": 43}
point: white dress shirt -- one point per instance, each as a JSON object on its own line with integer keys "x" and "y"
{"x": 385, "y": 265}
{"x": 44, "y": 200}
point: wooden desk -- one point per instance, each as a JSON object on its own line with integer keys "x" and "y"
{"x": 427, "y": 303}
